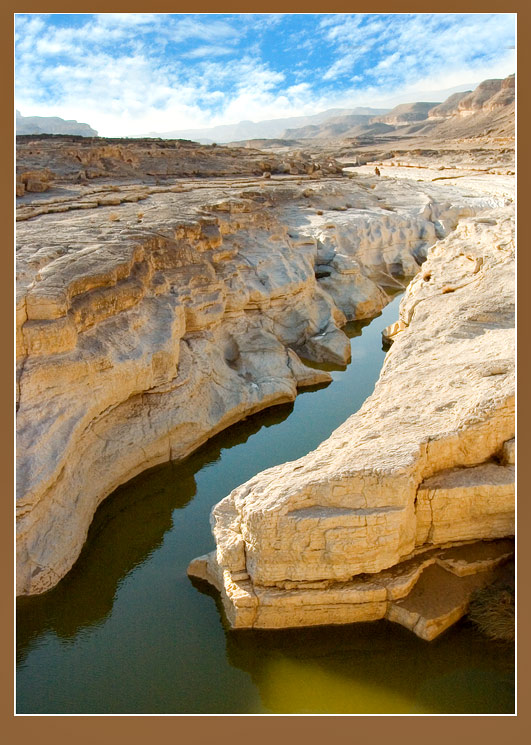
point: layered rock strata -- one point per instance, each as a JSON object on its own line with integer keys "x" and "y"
{"x": 426, "y": 463}
{"x": 95, "y": 159}
{"x": 143, "y": 330}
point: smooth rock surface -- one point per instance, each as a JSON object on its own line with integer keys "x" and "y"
{"x": 144, "y": 329}
{"x": 423, "y": 462}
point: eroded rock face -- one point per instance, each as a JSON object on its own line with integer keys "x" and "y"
{"x": 426, "y": 462}
{"x": 426, "y": 593}
{"x": 144, "y": 329}
{"x": 86, "y": 158}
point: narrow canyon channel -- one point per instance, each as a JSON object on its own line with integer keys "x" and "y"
{"x": 126, "y": 631}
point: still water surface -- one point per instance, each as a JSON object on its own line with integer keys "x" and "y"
{"x": 126, "y": 631}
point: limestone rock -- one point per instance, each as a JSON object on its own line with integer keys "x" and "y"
{"x": 138, "y": 338}
{"x": 419, "y": 464}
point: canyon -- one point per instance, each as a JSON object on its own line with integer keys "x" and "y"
{"x": 166, "y": 290}
{"x": 363, "y": 526}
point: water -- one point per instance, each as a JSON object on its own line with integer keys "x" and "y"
{"x": 126, "y": 631}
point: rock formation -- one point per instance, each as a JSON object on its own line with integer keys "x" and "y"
{"x": 488, "y": 96}
{"x": 150, "y": 317}
{"x": 359, "y": 529}
{"x": 115, "y": 160}
{"x": 31, "y": 125}
{"x": 487, "y": 109}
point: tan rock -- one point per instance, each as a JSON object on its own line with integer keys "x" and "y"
{"x": 137, "y": 343}
{"x": 425, "y": 593}
{"x": 508, "y": 452}
{"x": 418, "y": 465}
{"x": 438, "y": 600}
{"x": 466, "y": 503}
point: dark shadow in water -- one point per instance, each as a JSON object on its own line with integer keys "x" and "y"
{"x": 130, "y": 524}
{"x": 127, "y": 527}
{"x": 371, "y": 665}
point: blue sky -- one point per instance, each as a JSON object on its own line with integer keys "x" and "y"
{"x": 132, "y": 73}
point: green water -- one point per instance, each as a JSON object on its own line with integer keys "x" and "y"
{"x": 126, "y": 631}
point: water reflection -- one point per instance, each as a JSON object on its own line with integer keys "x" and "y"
{"x": 127, "y": 528}
{"x": 371, "y": 668}
{"x": 127, "y": 632}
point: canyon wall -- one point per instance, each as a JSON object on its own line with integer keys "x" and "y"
{"x": 366, "y": 526}
{"x": 148, "y": 322}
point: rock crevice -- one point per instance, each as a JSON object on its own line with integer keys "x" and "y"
{"x": 141, "y": 337}
{"x": 425, "y": 463}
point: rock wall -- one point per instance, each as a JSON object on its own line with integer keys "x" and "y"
{"x": 140, "y": 334}
{"x": 427, "y": 462}
{"x": 81, "y": 159}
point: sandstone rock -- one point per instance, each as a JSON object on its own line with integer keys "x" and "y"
{"x": 35, "y": 181}
{"x": 391, "y": 331}
{"x": 101, "y": 158}
{"x": 136, "y": 343}
{"x": 426, "y": 593}
{"x": 438, "y": 600}
{"x": 508, "y": 452}
{"x": 409, "y": 470}
{"x": 466, "y": 503}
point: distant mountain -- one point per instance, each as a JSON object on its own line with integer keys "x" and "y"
{"x": 331, "y": 127}
{"x": 267, "y": 129}
{"x": 488, "y": 109}
{"x": 405, "y": 113}
{"x": 352, "y": 125}
{"x": 36, "y": 125}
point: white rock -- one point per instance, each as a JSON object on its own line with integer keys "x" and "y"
{"x": 419, "y": 464}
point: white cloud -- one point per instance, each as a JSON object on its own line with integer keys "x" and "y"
{"x": 419, "y": 51}
{"x": 208, "y": 51}
{"x": 207, "y": 30}
{"x": 127, "y": 20}
{"x": 388, "y": 61}
{"x": 134, "y": 73}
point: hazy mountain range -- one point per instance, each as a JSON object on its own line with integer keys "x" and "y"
{"x": 269, "y": 128}
{"x": 36, "y": 125}
{"x": 467, "y": 113}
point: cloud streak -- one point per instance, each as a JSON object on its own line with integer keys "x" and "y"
{"x": 133, "y": 73}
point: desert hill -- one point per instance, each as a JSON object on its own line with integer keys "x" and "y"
{"x": 487, "y": 110}
{"x": 34, "y": 125}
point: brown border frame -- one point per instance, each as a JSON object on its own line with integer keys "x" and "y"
{"x": 198, "y": 730}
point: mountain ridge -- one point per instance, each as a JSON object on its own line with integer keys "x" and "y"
{"x": 36, "y": 125}
{"x": 265, "y": 129}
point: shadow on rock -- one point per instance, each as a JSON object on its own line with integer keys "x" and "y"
{"x": 127, "y": 528}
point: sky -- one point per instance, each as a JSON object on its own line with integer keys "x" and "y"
{"x": 135, "y": 73}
